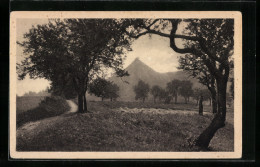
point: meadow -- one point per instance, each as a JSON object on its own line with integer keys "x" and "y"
{"x": 25, "y": 103}
{"x": 108, "y": 129}
{"x": 34, "y": 108}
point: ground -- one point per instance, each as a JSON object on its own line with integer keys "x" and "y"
{"x": 124, "y": 126}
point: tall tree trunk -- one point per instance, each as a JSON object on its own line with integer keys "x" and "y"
{"x": 85, "y": 103}
{"x": 219, "y": 120}
{"x": 214, "y": 103}
{"x": 201, "y": 106}
{"x": 80, "y": 102}
{"x": 176, "y": 98}
{"x": 154, "y": 100}
{"x": 213, "y": 99}
{"x": 209, "y": 101}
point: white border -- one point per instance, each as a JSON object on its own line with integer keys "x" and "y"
{"x": 131, "y": 155}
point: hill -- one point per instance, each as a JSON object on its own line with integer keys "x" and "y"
{"x": 139, "y": 70}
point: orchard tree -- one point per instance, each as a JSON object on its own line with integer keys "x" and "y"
{"x": 196, "y": 68}
{"x": 62, "y": 85}
{"x": 155, "y": 91}
{"x": 210, "y": 40}
{"x": 141, "y": 90}
{"x": 196, "y": 95}
{"x": 186, "y": 90}
{"x": 163, "y": 95}
{"x": 112, "y": 91}
{"x": 78, "y": 47}
{"x": 173, "y": 88}
{"x": 99, "y": 88}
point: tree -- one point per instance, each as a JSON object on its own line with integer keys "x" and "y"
{"x": 62, "y": 85}
{"x": 196, "y": 95}
{"x": 173, "y": 88}
{"x": 78, "y": 47}
{"x": 99, "y": 88}
{"x": 211, "y": 40}
{"x": 206, "y": 95}
{"x": 141, "y": 90}
{"x": 155, "y": 91}
{"x": 164, "y": 95}
{"x": 112, "y": 91}
{"x": 186, "y": 90}
{"x": 196, "y": 68}
{"x": 231, "y": 89}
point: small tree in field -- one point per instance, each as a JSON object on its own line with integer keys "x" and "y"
{"x": 78, "y": 47}
{"x": 99, "y": 88}
{"x": 112, "y": 91}
{"x": 173, "y": 88}
{"x": 141, "y": 90}
{"x": 155, "y": 91}
{"x": 186, "y": 90}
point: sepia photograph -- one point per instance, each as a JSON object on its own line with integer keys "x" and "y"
{"x": 125, "y": 85}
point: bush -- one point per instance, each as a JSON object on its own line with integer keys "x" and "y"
{"x": 49, "y": 107}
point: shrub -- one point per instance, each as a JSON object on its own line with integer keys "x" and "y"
{"x": 49, "y": 107}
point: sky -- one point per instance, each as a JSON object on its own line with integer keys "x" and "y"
{"x": 153, "y": 50}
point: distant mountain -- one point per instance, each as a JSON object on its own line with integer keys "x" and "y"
{"x": 140, "y": 71}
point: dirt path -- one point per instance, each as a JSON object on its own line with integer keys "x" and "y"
{"x": 30, "y": 129}
{"x": 73, "y": 106}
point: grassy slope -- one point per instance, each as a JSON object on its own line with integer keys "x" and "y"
{"x": 106, "y": 130}
{"x": 49, "y": 107}
{"x": 26, "y": 103}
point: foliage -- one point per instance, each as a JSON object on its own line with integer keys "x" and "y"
{"x": 63, "y": 86}
{"x": 76, "y": 47}
{"x": 112, "y": 91}
{"x": 173, "y": 88}
{"x": 141, "y": 90}
{"x": 104, "y": 89}
{"x": 156, "y": 91}
{"x": 186, "y": 89}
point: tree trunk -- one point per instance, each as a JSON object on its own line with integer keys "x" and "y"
{"x": 214, "y": 103}
{"x": 154, "y": 100}
{"x": 80, "y": 103}
{"x": 209, "y": 101}
{"x": 204, "y": 139}
{"x": 176, "y": 98}
{"x": 102, "y": 98}
{"x": 185, "y": 100}
{"x": 213, "y": 99}
{"x": 201, "y": 106}
{"x": 219, "y": 120}
{"x": 143, "y": 100}
{"x": 85, "y": 103}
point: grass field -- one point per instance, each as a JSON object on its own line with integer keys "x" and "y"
{"x": 39, "y": 108}
{"x": 106, "y": 129}
{"x": 25, "y": 103}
